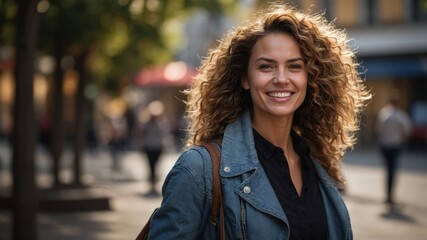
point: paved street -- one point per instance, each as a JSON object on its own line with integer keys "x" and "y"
{"x": 364, "y": 196}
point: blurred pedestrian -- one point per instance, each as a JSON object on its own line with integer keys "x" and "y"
{"x": 283, "y": 94}
{"x": 153, "y": 135}
{"x": 130, "y": 123}
{"x": 118, "y": 140}
{"x": 393, "y": 128}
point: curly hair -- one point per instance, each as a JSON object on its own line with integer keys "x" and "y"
{"x": 330, "y": 114}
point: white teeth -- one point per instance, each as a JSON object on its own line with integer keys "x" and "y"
{"x": 280, "y": 94}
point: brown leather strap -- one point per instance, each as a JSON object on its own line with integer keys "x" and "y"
{"x": 217, "y": 203}
{"x": 143, "y": 235}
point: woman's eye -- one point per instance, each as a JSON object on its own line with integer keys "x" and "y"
{"x": 265, "y": 67}
{"x": 295, "y": 67}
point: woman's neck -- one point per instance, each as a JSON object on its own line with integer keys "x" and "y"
{"x": 276, "y": 131}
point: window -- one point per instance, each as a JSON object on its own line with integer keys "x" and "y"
{"x": 392, "y": 11}
{"x": 346, "y": 12}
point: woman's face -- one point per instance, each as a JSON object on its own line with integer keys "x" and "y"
{"x": 277, "y": 76}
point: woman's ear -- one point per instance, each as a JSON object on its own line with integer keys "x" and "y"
{"x": 245, "y": 83}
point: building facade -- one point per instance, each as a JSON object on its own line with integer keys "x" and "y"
{"x": 391, "y": 41}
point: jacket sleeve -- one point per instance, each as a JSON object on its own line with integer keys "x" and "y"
{"x": 185, "y": 209}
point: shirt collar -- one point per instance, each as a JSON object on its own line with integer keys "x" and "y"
{"x": 267, "y": 149}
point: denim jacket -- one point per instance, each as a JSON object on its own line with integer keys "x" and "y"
{"x": 252, "y": 210}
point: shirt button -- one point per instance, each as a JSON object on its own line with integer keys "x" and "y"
{"x": 227, "y": 169}
{"x": 247, "y": 189}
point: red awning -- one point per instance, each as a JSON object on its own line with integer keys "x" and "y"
{"x": 172, "y": 74}
{"x": 7, "y": 64}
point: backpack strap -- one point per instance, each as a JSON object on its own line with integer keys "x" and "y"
{"x": 217, "y": 202}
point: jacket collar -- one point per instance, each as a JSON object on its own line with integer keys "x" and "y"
{"x": 238, "y": 144}
{"x": 239, "y": 157}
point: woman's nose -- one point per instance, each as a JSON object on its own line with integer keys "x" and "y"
{"x": 280, "y": 77}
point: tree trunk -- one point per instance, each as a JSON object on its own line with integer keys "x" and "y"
{"x": 57, "y": 133}
{"x": 24, "y": 192}
{"x": 79, "y": 127}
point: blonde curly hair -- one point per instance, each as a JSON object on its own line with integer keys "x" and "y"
{"x": 330, "y": 113}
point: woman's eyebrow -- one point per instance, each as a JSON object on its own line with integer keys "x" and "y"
{"x": 271, "y": 60}
{"x": 264, "y": 59}
{"x": 295, "y": 59}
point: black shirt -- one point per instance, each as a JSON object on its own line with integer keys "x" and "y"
{"x": 305, "y": 213}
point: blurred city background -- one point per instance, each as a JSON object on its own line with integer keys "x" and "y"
{"x": 79, "y": 80}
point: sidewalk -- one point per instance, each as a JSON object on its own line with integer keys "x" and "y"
{"x": 364, "y": 197}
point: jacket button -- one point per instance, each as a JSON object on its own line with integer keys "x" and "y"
{"x": 227, "y": 169}
{"x": 247, "y": 189}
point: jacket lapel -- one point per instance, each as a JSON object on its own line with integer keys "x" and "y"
{"x": 336, "y": 211}
{"x": 239, "y": 159}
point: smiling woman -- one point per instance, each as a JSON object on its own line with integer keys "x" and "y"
{"x": 283, "y": 96}
{"x": 277, "y": 81}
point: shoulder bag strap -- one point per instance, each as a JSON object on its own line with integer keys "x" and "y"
{"x": 217, "y": 202}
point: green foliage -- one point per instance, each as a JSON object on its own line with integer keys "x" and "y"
{"x": 8, "y": 11}
{"x": 121, "y": 36}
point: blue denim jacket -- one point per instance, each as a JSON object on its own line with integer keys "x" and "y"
{"x": 252, "y": 210}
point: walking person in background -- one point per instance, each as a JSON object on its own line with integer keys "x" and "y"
{"x": 393, "y": 128}
{"x": 117, "y": 143}
{"x": 283, "y": 94}
{"x": 153, "y": 135}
